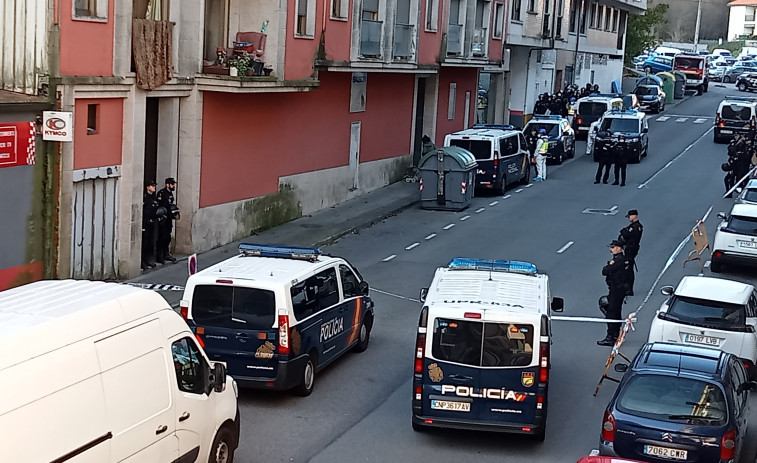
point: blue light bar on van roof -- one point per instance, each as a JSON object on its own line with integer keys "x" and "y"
{"x": 606, "y": 95}
{"x": 493, "y": 126}
{"x": 282, "y": 252}
{"x": 511, "y": 266}
{"x": 623, "y": 111}
{"x": 548, "y": 117}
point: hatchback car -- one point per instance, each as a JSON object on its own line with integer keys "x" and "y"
{"x": 678, "y": 403}
{"x": 562, "y": 139}
{"x": 749, "y": 194}
{"x": 651, "y": 98}
{"x": 736, "y": 237}
{"x": 717, "y": 70}
{"x": 747, "y": 82}
{"x": 711, "y": 312}
{"x": 738, "y": 68}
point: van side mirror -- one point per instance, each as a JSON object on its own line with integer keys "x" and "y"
{"x": 667, "y": 290}
{"x": 621, "y": 367}
{"x": 423, "y": 294}
{"x": 645, "y": 130}
{"x": 364, "y": 288}
{"x": 558, "y": 304}
{"x": 218, "y": 381}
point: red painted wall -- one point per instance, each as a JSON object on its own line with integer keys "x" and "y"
{"x": 249, "y": 141}
{"x": 339, "y": 37}
{"x": 300, "y": 52}
{"x": 104, "y": 147}
{"x": 21, "y": 275}
{"x": 429, "y": 43}
{"x": 466, "y": 80}
{"x": 86, "y": 47}
{"x": 495, "y": 45}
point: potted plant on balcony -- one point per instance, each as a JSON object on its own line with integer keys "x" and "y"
{"x": 242, "y": 63}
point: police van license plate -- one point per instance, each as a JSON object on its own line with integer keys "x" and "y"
{"x": 727, "y": 132}
{"x": 705, "y": 340}
{"x": 748, "y": 244}
{"x": 452, "y": 406}
{"x": 664, "y": 452}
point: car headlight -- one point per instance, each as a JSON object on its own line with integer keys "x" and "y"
{"x": 633, "y": 140}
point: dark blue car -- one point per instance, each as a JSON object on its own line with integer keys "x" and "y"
{"x": 678, "y": 403}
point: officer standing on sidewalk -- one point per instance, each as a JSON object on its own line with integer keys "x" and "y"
{"x": 605, "y": 162}
{"x": 149, "y": 218}
{"x": 630, "y": 236}
{"x": 167, "y": 201}
{"x": 616, "y": 277}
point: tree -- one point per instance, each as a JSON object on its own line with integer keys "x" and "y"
{"x": 640, "y": 32}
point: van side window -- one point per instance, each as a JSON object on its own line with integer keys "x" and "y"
{"x": 328, "y": 290}
{"x": 751, "y": 306}
{"x": 304, "y": 295}
{"x": 350, "y": 285}
{"x": 522, "y": 140}
{"x": 191, "y": 369}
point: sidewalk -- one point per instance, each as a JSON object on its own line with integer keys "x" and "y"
{"x": 319, "y": 229}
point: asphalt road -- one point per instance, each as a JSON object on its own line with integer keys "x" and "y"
{"x": 360, "y": 408}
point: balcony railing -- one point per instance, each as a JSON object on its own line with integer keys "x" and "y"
{"x": 455, "y": 39}
{"x": 749, "y": 18}
{"x": 403, "y": 40}
{"x": 479, "y": 42}
{"x": 370, "y": 37}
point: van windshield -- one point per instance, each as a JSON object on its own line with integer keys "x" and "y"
{"x": 592, "y": 108}
{"x": 233, "y": 307}
{"x": 483, "y": 344}
{"x": 481, "y": 149}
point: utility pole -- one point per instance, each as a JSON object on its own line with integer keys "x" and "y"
{"x": 696, "y": 31}
{"x": 579, "y": 4}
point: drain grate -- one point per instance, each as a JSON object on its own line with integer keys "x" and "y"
{"x": 612, "y": 211}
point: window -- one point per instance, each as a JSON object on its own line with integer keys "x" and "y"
{"x": 432, "y": 15}
{"x": 233, "y": 307}
{"x": 499, "y": 19}
{"x": 615, "y": 20}
{"x": 615, "y": 124}
{"x": 192, "y": 372}
{"x": 305, "y": 20}
{"x": 93, "y": 111}
{"x": 482, "y": 344}
{"x": 572, "y": 16}
{"x": 593, "y": 16}
{"x": 350, "y": 283}
{"x": 531, "y": 6}
{"x": 582, "y": 28}
{"x": 452, "y": 98}
{"x": 91, "y": 9}
{"x": 515, "y": 16}
{"x": 370, "y": 10}
{"x": 481, "y": 149}
{"x": 339, "y": 9}
{"x": 608, "y": 18}
{"x": 600, "y": 16}
{"x": 317, "y": 293}
{"x": 522, "y": 139}
{"x": 705, "y": 313}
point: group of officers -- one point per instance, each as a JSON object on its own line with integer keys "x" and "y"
{"x": 742, "y": 154}
{"x": 159, "y": 210}
{"x": 619, "y": 275}
{"x": 562, "y": 103}
{"x": 614, "y": 153}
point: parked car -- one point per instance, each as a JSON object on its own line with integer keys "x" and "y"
{"x": 722, "y": 52}
{"x": 591, "y": 108}
{"x": 736, "y": 237}
{"x": 738, "y": 68}
{"x": 601, "y": 459}
{"x": 562, "y": 138}
{"x": 747, "y": 82}
{"x": 678, "y": 403}
{"x": 657, "y": 64}
{"x": 651, "y": 98}
{"x": 749, "y": 194}
{"x": 717, "y": 70}
{"x": 735, "y": 114}
{"x": 632, "y": 125}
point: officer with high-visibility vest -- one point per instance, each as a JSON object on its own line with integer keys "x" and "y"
{"x": 542, "y": 147}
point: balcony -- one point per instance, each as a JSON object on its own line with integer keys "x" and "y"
{"x": 479, "y": 42}
{"x": 454, "y": 39}
{"x": 370, "y": 37}
{"x": 403, "y": 40}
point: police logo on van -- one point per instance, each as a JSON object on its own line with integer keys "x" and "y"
{"x": 527, "y": 378}
{"x": 331, "y": 328}
{"x": 265, "y": 351}
{"x": 435, "y": 373}
{"x": 296, "y": 341}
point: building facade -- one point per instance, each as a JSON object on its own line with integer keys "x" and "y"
{"x": 741, "y": 18}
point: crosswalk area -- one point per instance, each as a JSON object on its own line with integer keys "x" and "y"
{"x": 681, "y": 118}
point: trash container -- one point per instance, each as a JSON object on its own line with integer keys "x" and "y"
{"x": 448, "y": 177}
{"x": 649, "y": 79}
{"x": 680, "y": 84}
{"x": 668, "y": 85}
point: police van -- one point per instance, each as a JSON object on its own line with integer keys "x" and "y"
{"x": 591, "y": 108}
{"x": 277, "y": 315}
{"x": 482, "y": 353}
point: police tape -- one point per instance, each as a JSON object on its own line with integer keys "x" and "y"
{"x": 563, "y": 318}
{"x": 738, "y": 184}
{"x": 156, "y": 287}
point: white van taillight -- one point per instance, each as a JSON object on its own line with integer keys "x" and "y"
{"x": 608, "y": 427}
{"x": 420, "y": 346}
{"x": 728, "y": 445}
{"x": 544, "y": 362}
{"x": 184, "y": 310}
{"x": 496, "y": 158}
{"x": 283, "y": 334}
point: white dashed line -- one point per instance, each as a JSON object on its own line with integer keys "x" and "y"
{"x": 682, "y": 119}
{"x": 506, "y": 196}
{"x": 519, "y": 190}
{"x": 395, "y": 295}
{"x": 529, "y": 185}
{"x": 564, "y": 248}
{"x": 612, "y": 209}
{"x": 465, "y": 218}
{"x": 494, "y": 203}
{"x": 387, "y": 259}
{"x": 480, "y": 210}
{"x": 707, "y": 264}
{"x": 448, "y": 226}
{"x": 663, "y": 118}
{"x": 700, "y": 121}
{"x": 414, "y": 245}
{"x": 429, "y": 237}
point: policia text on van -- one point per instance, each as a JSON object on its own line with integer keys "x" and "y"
{"x": 482, "y": 360}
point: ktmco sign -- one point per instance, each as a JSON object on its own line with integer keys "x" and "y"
{"x": 57, "y": 126}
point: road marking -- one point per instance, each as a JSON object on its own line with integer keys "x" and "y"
{"x": 646, "y": 182}
{"x": 395, "y": 295}
{"x": 564, "y": 248}
{"x": 387, "y": 259}
{"x": 465, "y": 218}
{"x": 519, "y": 190}
{"x": 707, "y": 264}
{"x": 448, "y": 226}
{"x": 696, "y": 116}
{"x": 528, "y": 186}
{"x": 682, "y": 119}
{"x": 494, "y": 203}
{"x": 613, "y": 208}
{"x": 506, "y": 196}
{"x": 663, "y": 118}
{"x": 701, "y": 120}
{"x": 414, "y": 245}
{"x": 430, "y": 237}
{"x": 480, "y": 210}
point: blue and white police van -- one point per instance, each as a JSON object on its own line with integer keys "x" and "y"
{"x": 482, "y": 354}
{"x": 277, "y": 315}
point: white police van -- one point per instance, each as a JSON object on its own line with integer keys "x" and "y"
{"x": 482, "y": 353}
{"x": 277, "y": 315}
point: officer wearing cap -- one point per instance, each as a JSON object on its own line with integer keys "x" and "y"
{"x": 149, "y": 219}
{"x": 630, "y": 236}
{"x": 615, "y": 273}
{"x": 167, "y": 201}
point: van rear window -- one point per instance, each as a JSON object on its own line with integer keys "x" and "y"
{"x": 592, "y": 109}
{"x": 481, "y": 149}
{"x": 742, "y": 113}
{"x": 233, "y": 307}
{"x": 483, "y": 344}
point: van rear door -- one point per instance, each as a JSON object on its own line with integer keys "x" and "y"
{"x": 487, "y": 172}
{"x": 238, "y": 326}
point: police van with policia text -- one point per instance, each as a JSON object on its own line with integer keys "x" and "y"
{"x": 482, "y": 353}
{"x": 277, "y": 315}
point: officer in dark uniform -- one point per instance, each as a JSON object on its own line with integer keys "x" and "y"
{"x": 605, "y": 156}
{"x": 149, "y": 219}
{"x": 743, "y": 159}
{"x": 620, "y": 158}
{"x": 531, "y": 140}
{"x": 616, "y": 277}
{"x": 630, "y": 236}
{"x": 167, "y": 201}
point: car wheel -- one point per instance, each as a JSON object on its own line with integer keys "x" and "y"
{"x": 222, "y": 450}
{"x": 645, "y": 152}
{"x": 716, "y": 267}
{"x": 706, "y": 87}
{"x": 648, "y": 69}
{"x": 700, "y": 89}
{"x": 527, "y": 174}
{"x": 742, "y": 87}
{"x": 726, "y": 80}
{"x": 572, "y": 149}
{"x": 307, "y": 376}
{"x": 502, "y": 185}
{"x": 364, "y": 336}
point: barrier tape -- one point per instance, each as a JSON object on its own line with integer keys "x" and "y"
{"x": 156, "y": 287}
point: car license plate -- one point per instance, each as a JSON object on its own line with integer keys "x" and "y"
{"x": 452, "y": 406}
{"x": 705, "y": 340}
{"x": 583, "y": 128}
{"x": 727, "y": 132}
{"x": 748, "y": 244}
{"x": 664, "y": 452}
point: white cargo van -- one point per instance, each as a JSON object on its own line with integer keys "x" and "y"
{"x": 96, "y": 372}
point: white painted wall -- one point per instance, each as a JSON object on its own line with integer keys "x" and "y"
{"x": 736, "y": 17}
{"x": 23, "y": 45}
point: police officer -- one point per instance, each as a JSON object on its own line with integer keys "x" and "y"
{"x": 149, "y": 218}
{"x": 167, "y": 201}
{"x": 620, "y": 158}
{"x": 743, "y": 159}
{"x": 630, "y": 236}
{"x": 542, "y": 148}
{"x": 616, "y": 276}
{"x": 605, "y": 157}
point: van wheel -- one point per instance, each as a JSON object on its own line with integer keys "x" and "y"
{"x": 716, "y": 267}
{"x": 742, "y": 87}
{"x": 503, "y": 185}
{"x": 364, "y": 336}
{"x": 307, "y": 377}
{"x": 222, "y": 450}
{"x": 527, "y": 174}
{"x": 572, "y": 149}
{"x": 700, "y": 89}
{"x": 541, "y": 435}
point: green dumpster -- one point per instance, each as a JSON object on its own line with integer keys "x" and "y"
{"x": 668, "y": 85}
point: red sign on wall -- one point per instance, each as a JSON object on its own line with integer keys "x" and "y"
{"x": 16, "y": 144}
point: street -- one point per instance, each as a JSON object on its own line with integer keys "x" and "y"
{"x": 360, "y": 408}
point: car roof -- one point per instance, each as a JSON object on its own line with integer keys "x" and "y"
{"x": 624, "y": 115}
{"x": 744, "y": 210}
{"x": 592, "y": 99}
{"x": 680, "y": 360}
{"x": 483, "y": 133}
{"x": 714, "y": 289}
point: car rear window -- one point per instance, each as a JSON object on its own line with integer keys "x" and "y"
{"x": 484, "y": 344}
{"x": 592, "y": 108}
{"x": 552, "y": 130}
{"x": 620, "y": 125}
{"x": 742, "y": 225}
{"x": 481, "y": 149}
{"x": 742, "y": 113}
{"x": 233, "y": 307}
{"x": 675, "y": 399}
{"x": 707, "y": 313}
{"x": 750, "y": 194}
